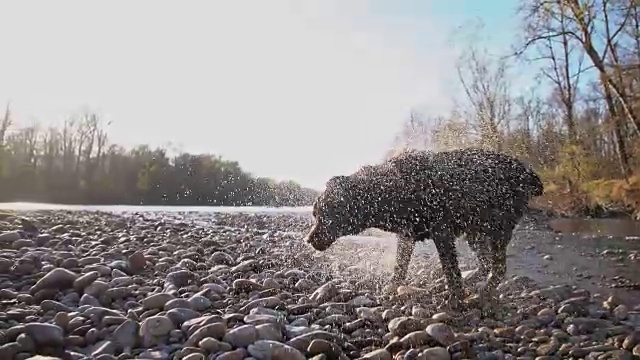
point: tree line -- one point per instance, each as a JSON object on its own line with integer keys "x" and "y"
{"x": 76, "y": 164}
{"x": 579, "y": 122}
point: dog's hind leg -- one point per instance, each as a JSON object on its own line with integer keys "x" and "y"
{"x": 499, "y": 245}
{"x": 498, "y": 266}
{"x": 479, "y": 243}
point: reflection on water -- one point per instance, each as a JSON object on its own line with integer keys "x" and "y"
{"x": 606, "y": 227}
{"x": 25, "y": 206}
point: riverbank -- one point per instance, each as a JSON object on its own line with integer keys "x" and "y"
{"x": 227, "y": 286}
{"x": 604, "y": 198}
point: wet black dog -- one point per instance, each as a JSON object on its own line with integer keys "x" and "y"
{"x": 422, "y": 195}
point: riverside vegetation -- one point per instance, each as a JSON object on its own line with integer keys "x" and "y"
{"x": 578, "y": 123}
{"x": 76, "y": 164}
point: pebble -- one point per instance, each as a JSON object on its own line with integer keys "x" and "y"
{"x": 442, "y": 333}
{"x": 238, "y": 286}
{"x": 241, "y": 336}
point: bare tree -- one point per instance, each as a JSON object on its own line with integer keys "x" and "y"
{"x": 563, "y": 69}
{"x": 589, "y": 23}
{"x": 415, "y": 133}
{"x": 530, "y": 115}
{"x": 487, "y": 104}
{"x": 4, "y": 125}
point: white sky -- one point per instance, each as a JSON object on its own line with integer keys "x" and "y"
{"x": 300, "y": 90}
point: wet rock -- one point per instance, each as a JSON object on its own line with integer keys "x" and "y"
{"x": 126, "y": 334}
{"x": 273, "y": 350}
{"x": 437, "y": 353}
{"x": 403, "y": 325}
{"x": 380, "y": 354}
{"x": 242, "y": 336}
{"x": 45, "y": 334}
{"x": 58, "y": 278}
{"x": 154, "y": 330}
{"x": 215, "y": 330}
{"x": 9, "y": 236}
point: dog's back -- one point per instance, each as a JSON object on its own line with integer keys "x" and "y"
{"x": 472, "y": 166}
{"x": 468, "y": 188}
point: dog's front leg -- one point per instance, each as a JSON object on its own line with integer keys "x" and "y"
{"x": 447, "y": 252}
{"x": 499, "y": 259}
{"x": 404, "y": 252}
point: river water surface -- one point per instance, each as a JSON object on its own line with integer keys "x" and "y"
{"x": 594, "y": 254}
{"x": 603, "y": 227}
{"x": 24, "y": 206}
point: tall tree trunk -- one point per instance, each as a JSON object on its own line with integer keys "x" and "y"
{"x": 621, "y": 147}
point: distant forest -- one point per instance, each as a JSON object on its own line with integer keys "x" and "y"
{"x": 76, "y": 164}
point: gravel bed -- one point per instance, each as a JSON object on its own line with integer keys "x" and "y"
{"x": 91, "y": 285}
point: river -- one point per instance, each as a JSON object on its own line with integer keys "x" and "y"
{"x": 26, "y": 206}
{"x": 589, "y": 253}
{"x": 603, "y": 227}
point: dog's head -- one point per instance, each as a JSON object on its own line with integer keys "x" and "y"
{"x": 336, "y": 212}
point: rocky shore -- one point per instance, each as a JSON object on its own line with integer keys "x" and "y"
{"x": 89, "y": 285}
